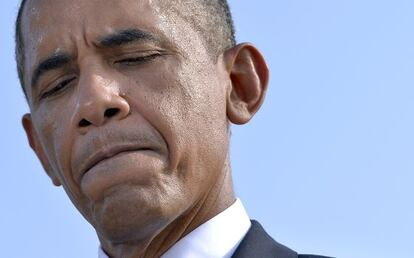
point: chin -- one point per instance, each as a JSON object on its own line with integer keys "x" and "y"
{"x": 130, "y": 213}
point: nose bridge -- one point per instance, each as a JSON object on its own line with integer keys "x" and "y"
{"x": 95, "y": 85}
{"x": 98, "y": 97}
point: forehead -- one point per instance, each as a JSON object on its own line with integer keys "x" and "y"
{"x": 49, "y": 26}
{"x": 48, "y": 14}
{"x": 47, "y": 23}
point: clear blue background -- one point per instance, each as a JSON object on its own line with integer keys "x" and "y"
{"x": 326, "y": 165}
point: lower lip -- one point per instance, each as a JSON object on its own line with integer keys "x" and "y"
{"x": 129, "y": 167}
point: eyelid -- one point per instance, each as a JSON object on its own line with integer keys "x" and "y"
{"x": 138, "y": 57}
{"x": 52, "y": 88}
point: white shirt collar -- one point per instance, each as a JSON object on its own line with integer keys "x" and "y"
{"x": 218, "y": 237}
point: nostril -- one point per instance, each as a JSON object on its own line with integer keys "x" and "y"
{"x": 84, "y": 123}
{"x": 110, "y": 112}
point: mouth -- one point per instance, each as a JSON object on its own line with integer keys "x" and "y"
{"x": 108, "y": 153}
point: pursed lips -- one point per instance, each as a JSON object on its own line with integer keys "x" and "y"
{"x": 107, "y": 153}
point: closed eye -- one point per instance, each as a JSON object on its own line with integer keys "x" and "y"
{"x": 138, "y": 60}
{"x": 58, "y": 88}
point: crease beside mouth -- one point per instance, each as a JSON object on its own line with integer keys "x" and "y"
{"x": 111, "y": 156}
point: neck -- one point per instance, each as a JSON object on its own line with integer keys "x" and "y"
{"x": 219, "y": 198}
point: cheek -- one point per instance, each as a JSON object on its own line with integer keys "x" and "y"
{"x": 203, "y": 122}
{"x": 57, "y": 142}
{"x": 55, "y": 137}
{"x": 193, "y": 110}
{"x": 47, "y": 131}
{"x": 186, "y": 104}
{"x": 202, "y": 103}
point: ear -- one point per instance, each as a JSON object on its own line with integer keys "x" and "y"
{"x": 37, "y": 148}
{"x": 249, "y": 76}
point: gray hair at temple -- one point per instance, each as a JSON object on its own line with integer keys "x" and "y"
{"x": 211, "y": 18}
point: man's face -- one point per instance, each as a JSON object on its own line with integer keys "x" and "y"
{"x": 128, "y": 109}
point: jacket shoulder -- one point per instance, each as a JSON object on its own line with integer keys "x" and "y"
{"x": 257, "y": 243}
{"x": 312, "y": 256}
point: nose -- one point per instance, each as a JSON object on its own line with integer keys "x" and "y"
{"x": 99, "y": 101}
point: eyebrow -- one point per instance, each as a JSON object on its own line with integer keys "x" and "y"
{"x": 53, "y": 62}
{"x": 118, "y": 38}
{"x": 126, "y": 36}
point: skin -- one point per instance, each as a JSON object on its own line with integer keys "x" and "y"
{"x": 136, "y": 133}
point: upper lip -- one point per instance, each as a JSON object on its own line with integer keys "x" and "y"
{"x": 109, "y": 152}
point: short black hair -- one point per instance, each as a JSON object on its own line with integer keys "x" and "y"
{"x": 211, "y": 18}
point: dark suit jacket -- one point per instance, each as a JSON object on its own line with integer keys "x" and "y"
{"x": 258, "y": 244}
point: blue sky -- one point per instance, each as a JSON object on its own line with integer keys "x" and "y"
{"x": 326, "y": 165}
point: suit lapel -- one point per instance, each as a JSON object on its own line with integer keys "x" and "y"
{"x": 257, "y": 243}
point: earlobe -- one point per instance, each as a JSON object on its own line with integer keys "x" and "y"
{"x": 249, "y": 77}
{"x": 37, "y": 148}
